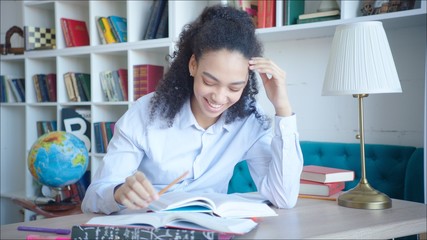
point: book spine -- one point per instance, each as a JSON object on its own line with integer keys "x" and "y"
{"x": 96, "y": 232}
{"x": 69, "y": 86}
{"x": 155, "y": 18}
{"x": 14, "y": 89}
{"x": 123, "y": 76}
{"x": 270, "y": 13}
{"x": 118, "y": 91}
{"x": 51, "y": 86}
{"x": 43, "y": 87}
{"x": 163, "y": 30}
{"x": 100, "y": 31}
{"x": 66, "y": 33}
{"x": 262, "y": 13}
{"x": 104, "y": 136}
{"x": 98, "y": 138}
{"x": 294, "y": 8}
{"x": 75, "y": 87}
{"x": 37, "y": 88}
{"x": 21, "y": 87}
{"x": 80, "y": 89}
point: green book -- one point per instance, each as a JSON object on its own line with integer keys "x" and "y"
{"x": 293, "y": 8}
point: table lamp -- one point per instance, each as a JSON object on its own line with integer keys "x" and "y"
{"x": 361, "y": 63}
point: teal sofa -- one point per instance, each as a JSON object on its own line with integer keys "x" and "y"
{"x": 397, "y": 171}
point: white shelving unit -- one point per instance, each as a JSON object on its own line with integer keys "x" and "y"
{"x": 18, "y": 120}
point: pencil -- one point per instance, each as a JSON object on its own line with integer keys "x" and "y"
{"x": 173, "y": 183}
{"x": 317, "y": 197}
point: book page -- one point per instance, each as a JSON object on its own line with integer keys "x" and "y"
{"x": 224, "y": 205}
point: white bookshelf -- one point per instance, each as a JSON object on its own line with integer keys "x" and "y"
{"x": 16, "y": 141}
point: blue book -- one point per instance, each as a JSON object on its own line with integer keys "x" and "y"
{"x": 155, "y": 18}
{"x": 119, "y": 27}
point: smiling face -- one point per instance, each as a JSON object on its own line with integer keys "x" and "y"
{"x": 219, "y": 80}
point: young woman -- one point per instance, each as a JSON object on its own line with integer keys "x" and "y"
{"x": 204, "y": 118}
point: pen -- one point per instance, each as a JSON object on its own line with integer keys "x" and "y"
{"x": 45, "y": 230}
{"x": 173, "y": 183}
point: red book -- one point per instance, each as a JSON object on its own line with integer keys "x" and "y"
{"x": 145, "y": 79}
{"x": 75, "y": 32}
{"x": 51, "y": 86}
{"x": 261, "y": 13}
{"x": 320, "y": 189}
{"x": 270, "y": 13}
{"x": 123, "y": 76}
{"x": 326, "y": 174}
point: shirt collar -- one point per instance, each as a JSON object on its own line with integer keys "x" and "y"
{"x": 186, "y": 119}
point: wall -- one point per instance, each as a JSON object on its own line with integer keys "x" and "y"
{"x": 396, "y": 118}
{"x": 11, "y": 16}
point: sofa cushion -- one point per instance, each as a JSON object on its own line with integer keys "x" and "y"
{"x": 414, "y": 181}
{"x": 241, "y": 180}
{"x": 385, "y": 164}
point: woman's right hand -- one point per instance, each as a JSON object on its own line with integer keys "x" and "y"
{"x": 136, "y": 192}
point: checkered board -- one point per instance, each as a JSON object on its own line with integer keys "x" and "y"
{"x": 39, "y": 38}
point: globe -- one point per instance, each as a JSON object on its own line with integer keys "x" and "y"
{"x": 58, "y": 159}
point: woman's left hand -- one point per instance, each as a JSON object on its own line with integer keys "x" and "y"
{"x": 274, "y": 80}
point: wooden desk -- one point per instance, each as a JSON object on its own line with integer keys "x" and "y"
{"x": 309, "y": 219}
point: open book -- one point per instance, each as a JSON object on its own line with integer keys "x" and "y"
{"x": 223, "y": 205}
{"x": 183, "y": 220}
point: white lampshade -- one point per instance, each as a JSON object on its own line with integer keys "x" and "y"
{"x": 360, "y": 61}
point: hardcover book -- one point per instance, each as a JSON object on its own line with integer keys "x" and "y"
{"x": 75, "y": 32}
{"x": 146, "y": 78}
{"x": 222, "y": 205}
{"x": 326, "y": 174}
{"x": 155, "y": 18}
{"x": 293, "y": 8}
{"x": 320, "y": 189}
{"x": 119, "y": 27}
{"x": 105, "y": 26}
{"x": 266, "y": 13}
{"x": 183, "y": 220}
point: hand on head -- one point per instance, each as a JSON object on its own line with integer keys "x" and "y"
{"x": 136, "y": 192}
{"x": 274, "y": 80}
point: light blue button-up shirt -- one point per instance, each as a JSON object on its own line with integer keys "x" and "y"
{"x": 274, "y": 157}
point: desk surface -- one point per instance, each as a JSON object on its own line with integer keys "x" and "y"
{"x": 310, "y": 218}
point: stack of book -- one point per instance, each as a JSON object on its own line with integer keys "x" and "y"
{"x": 319, "y": 16}
{"x": 112, "y": 29}
{"x": 323, "y": 181}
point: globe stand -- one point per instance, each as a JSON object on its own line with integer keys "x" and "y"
{"x": 62, "y": 202}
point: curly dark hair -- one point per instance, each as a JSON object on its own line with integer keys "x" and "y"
{"x": 218, "y": 27}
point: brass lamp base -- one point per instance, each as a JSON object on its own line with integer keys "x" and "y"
{"x": 363, "y": 196}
